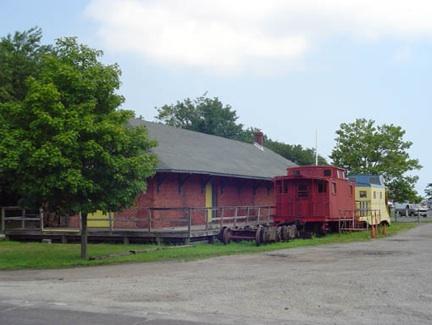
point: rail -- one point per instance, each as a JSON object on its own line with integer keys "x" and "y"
{"x": 358, "y": 219}
{"x": 20, "y": 218}
{"x": 198, "y": 217}
{"x": 187, "y": 219}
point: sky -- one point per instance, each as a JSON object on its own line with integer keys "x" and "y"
{"x": 288, "y": 67}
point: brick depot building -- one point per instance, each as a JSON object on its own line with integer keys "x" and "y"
{"x": 197, "y": 170}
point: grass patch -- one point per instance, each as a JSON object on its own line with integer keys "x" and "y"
{"x": 22, "y": 255}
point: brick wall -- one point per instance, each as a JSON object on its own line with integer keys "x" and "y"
{"x": 229, "y": 192}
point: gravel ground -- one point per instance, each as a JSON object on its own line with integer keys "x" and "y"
{"x": 376, "y": 282}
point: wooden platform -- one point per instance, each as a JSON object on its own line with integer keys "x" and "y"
{"x": 21, "y": 224}
{"x": 174, "y": 234}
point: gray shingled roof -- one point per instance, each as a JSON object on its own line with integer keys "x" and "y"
{"x": 186, "y": 151}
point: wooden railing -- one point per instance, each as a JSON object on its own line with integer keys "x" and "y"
{"x": 355, "y": 219}
{"x": 205, "y": 218}
{"x": 148, "y": 219}
{"x": 20, "y": 218}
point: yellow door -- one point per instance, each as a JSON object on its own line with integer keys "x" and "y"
{"x": 209, "y": 200}
{"x": 98, "y": 219}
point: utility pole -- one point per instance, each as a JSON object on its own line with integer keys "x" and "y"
{"x": 316, "y": 147}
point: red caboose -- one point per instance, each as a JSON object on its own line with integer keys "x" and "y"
{"x": 314, "y": 196}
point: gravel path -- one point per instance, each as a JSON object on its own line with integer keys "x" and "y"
{"x": 376, "y": 282}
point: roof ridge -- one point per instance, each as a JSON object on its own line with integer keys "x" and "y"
{"x": 207, "y": 134}
{"x": 185, "y": 150}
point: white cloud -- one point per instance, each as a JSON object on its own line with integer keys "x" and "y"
{"x": 236, "y": 35}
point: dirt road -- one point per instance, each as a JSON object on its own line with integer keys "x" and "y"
{"x": 377, "y": 282}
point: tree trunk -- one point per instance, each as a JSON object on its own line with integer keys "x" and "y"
{"x": 84, "y": 236}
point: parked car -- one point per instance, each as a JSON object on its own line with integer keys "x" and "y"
{"x": 411, "y": 209}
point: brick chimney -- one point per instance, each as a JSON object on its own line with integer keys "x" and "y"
{"x": 259, "y": 138}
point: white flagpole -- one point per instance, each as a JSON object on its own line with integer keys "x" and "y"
{"x": 316, "y": 147}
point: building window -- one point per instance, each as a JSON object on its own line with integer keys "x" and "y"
{"x": 380, "y": 195}
{"x": 374, "y": 194}
{"x": 327, "y": 172}
{"x": 363, "y": 194}
{"x": 270, "y": 190}
{"x": 374, "y": 180}
{"x": 303, "y": 190}
{"x": 278, "y": 187}
{"x": 285, "y": 187}
{"x": 322, "y": 187}
{"x": 333, "y": 188}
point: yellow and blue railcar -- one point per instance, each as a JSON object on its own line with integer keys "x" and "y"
{"x": 371, "y": 199}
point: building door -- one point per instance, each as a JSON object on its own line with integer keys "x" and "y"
{"x": 98, "y": 219}
{"x": 210, "y": 200}
{"x": 364, "y": 208}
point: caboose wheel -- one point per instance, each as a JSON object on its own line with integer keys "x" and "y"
{"x": 279, "y": 234}
{"x": 292, "y": 232}
{"x": 284, "y": 233}
{"x": 226, "y": 236}
{"x": 259, "y": 236}
{"x": 220, "y": 234}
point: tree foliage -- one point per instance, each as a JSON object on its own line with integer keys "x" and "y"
{"x": 365, "y": 148}
{"x": 295, "y": 153}
{"x": 64, "y": 143}
{"x": 211, "y": 116}
{"x": 207, "y": 115}
{"x": 428, "y": 191}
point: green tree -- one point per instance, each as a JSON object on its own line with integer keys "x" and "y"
{"x": 365, "y": 148}
{"x": 428, "y": 191}
{"x": 207, "y": 115}
{"x": 295, "y": 153}
{"x": 65, "y": 145}
{"x": 211, "y": 116}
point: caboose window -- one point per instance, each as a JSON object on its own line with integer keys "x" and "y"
{"x": 333, "y": 188}
{"x": 322, "y": 187}
{"x": 327, "y": 172}
{"x": 303, "y": 190}
{"x": 285, "y": 187}
{"x": 278, "y": 187}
